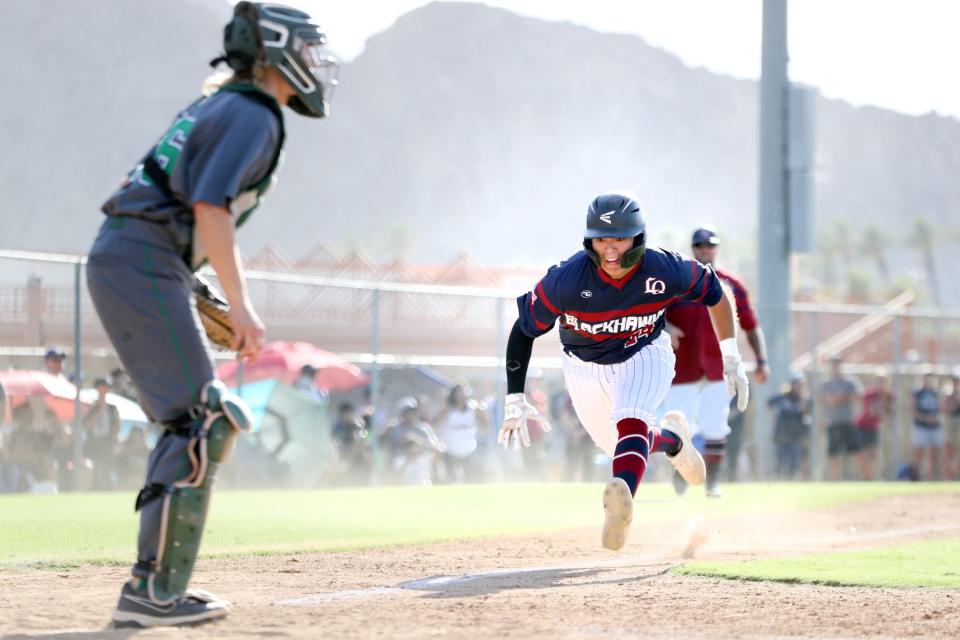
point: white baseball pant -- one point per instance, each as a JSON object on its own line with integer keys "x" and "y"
{"x": 705, "y": 403}
{"x": 604, "y": 394}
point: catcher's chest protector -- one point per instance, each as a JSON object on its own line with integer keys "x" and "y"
{"x": 160, "y": 164}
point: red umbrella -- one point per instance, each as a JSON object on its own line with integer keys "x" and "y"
{"x": 59, "y": 393}
{"x": 283, "y": 361}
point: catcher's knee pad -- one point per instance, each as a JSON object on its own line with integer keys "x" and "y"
{"x": 226, "y": 414}
{"x": 185, "y": 502}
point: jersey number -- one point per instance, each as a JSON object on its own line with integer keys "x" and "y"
{"x": 636, "y": 335}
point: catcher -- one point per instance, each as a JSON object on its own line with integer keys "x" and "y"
{"x": 175, "y": 211}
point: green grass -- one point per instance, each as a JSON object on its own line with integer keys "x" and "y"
{"x": 73, "y": 529}
{"x": 934, "y": 563}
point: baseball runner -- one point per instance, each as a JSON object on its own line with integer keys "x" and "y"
{"x": 177, "y": 209}
{"x": 698, "y": 388}
{"x": 610, "y": 300}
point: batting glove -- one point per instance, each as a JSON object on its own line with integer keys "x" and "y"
{"x": 516, "y": 412}
{"x": 734, "y": 374}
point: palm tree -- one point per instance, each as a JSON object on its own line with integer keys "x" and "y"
{"x": 828, "y": 248}
{"x": 875, "y": 246}
{"x": 843, "y": 243}
{"x": 923, "y": 239}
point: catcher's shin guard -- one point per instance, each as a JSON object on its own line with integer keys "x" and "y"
{"x": 185, "y": 502}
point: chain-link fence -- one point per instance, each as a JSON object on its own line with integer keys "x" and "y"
{"x": 886, "y": 351}
{"x": 417, "y": 341}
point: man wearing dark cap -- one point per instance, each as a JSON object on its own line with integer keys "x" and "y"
{"x": 306, "y": 383}
{"x": 698, "y": 387}
{"x": 53, "y": 361}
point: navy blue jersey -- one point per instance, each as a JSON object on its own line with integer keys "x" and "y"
{"x": 604, "y": 320}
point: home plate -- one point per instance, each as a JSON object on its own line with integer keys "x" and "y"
{"x": 427, "y": 584}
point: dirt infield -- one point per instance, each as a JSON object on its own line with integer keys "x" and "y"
{"x": 554, "y": 586}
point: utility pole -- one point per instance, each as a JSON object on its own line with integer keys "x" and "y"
{"x": 773, "y": 269}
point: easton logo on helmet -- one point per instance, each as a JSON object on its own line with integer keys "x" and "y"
{"x": 620, "y": 218}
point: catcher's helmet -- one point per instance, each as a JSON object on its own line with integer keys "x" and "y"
{"x": 614, "y": 215}
{"x": 288, "y": 40}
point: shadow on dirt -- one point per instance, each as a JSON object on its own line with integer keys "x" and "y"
{"x": 494, "y": 582}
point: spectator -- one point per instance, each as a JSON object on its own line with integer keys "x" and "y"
{"x": 306, "y": 383}
{"x": 367, "y": 410}
{"x": 59, "y": 433}
{"x": 412, "y": 445}
{"x": 19, "y": 445}
{"x": 791, "y": 431}
{"x": 61, "y": 437}
{"x": 53, "y": 361}
{"x": 101, "y": 427}
{"x": 927, "y": 430}
{"x": 350, "y": 439}
{"x": 951, "y": 411}
{"x": 877, "y": 410}
{"x": 457, "y": 425}
{"x": 840, "y": 396}
{"x": 123, "y": 385}
{"x": 33, "y": 445}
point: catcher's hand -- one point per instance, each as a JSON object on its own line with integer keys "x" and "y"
{"x": 516, "y": 412}
{"x": 230, "y": 328}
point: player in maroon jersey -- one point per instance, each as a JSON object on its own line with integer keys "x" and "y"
{"x": 698, "y": 388}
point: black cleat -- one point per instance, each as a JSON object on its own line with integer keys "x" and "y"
{"x": 136, "y": 609}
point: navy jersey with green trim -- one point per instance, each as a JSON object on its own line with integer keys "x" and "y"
{"x": 604, "y": 320}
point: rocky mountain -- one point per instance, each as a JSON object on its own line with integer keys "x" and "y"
{"x": 460, "y": 127}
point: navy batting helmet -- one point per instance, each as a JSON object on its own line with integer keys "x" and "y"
{"x": 615, "y": 215}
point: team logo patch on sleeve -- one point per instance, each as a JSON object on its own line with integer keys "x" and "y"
{"x": 586, "y": 293}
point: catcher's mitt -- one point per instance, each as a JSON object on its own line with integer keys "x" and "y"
{"x": 213, "y": 313}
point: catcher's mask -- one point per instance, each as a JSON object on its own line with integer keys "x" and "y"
{"x": 614, "y": 215}
{"x": 288, "y": 40}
